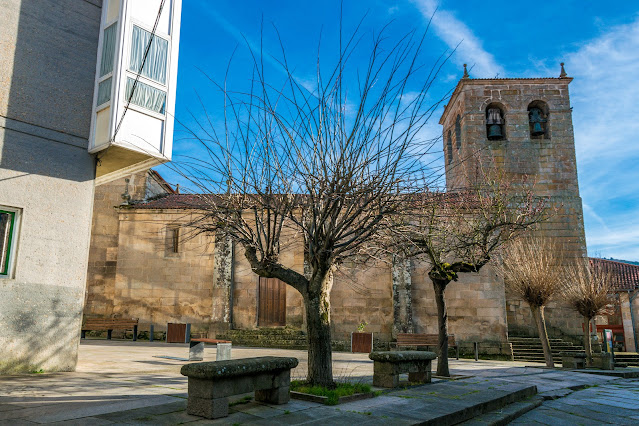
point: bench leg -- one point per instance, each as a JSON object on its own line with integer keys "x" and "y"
{"x": 420, "y": 372}
{"x": 419, "y": 377}
{"x": 135, "y": 333}
{"x": 196, "y": 351}
{"x": 109, "y": 334}
{"x": 83, "y": 334}
{"x": 211, "y": 408}
{"x": 273, "y": 396}
{"x": 223, "y": 351}
{"x": 385, "y": 375}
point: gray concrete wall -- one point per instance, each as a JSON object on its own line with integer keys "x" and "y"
{"x": 47, "y": 68}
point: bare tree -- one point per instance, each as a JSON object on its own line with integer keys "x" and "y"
{"x": 320, "y": 166}
{"x": 458, "y": 231}
{"x": 534, "y": 268}
{"x": 587, "y": 290}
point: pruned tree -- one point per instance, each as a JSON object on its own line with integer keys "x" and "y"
{"x": 534, "y": 268}
{"x": 320, "y": 166}
{"x": 588, "y": 288}
{"x": 459, "y": 231}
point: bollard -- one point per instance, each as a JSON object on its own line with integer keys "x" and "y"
{"x": 151, "y": 333}
{"x": 476, "y": 345}
{"x": 187, "y": 335}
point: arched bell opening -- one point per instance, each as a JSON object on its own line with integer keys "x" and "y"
{"x": 538, "y": 120}
{"x": 495, "y": 122}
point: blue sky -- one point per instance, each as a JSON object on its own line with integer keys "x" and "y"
{"x": 598, "y": 42}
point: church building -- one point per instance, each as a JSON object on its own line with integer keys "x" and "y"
{"x": 144, "y": 265}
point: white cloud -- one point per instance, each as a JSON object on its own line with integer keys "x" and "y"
{"x": 604, "y": 96}
{"x": 452, "y": 31}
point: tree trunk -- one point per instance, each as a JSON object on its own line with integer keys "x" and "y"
{"x": 587, "y": 343}
{"x": 538, "y": 315}
{"x": 442, "y": 321}
{"x": 318, "y": 326}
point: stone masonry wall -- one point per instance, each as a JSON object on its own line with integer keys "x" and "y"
{"x": 548, "y": 163}
{"x": 103, "y": 254}
{"x": 155, "y": 284}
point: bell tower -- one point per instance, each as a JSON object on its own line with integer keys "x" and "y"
{"x": 523, "y": 127}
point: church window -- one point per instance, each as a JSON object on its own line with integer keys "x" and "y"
{"x": 458, "y": 133}
{"x": 449, "y": 148}
{"x": 175, "y": 240}
{"x": 538, "y": 115}
{"x": 172, "y": 241}
{"x": 495, "y": 122}
{"x": 8, "y": 233}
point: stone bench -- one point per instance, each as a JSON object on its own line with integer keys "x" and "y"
{"x": 388, "y": 365}
{"x": 211, "y": 383}
{"x": 573, "y": 360}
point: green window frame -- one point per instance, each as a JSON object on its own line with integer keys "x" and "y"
{"x": 7, "y": 231}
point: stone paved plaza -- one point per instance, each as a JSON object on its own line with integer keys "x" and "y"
{"x": 120, "y": 382}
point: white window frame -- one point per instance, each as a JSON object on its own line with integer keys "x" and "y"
{"x": 128, "y": 73}
{"x": 13, "y": 248}
{"x": 108, "y": 75}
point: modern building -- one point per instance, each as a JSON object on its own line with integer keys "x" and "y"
{"x": 75, "y": 104}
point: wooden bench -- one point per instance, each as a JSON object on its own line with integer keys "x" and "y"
{"x": 211, "y": 383}
{"x": 110, "y": 324}
{"x": 426, "y": 340}
{"x": 196, "y": 349}
{"x": 388, "y": 365}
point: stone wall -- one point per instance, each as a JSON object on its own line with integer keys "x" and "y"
{"x": 103, "y": 254}
{"x": 157, "y": 285}
{"x": 547, "y": 163}
{"x": 198, "y": 286}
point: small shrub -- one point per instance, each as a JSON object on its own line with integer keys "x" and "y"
{"x": 333, "y": 395}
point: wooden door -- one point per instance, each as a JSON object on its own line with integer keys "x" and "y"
{"x": 272, "y": 303}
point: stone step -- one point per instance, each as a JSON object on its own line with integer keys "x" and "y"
{"x": 538, "y": 344}
{"x": 449, "y": 414}
{"x": 627, "y": 359}
{"x": 530, "y": 349}
{"x": 552, "y": 348}
{"x": 268, "y": 331}
{"x": 284, "y": 338}
{"x": 505, "y": 415}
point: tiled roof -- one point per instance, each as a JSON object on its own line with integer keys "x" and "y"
{"x": 178, "y": 201}
{"x": 625, "y": 276}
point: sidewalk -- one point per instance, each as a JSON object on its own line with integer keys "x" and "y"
{"x": 120, "y": 382}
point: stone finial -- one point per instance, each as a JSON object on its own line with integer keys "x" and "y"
{"x": 465, "y": 72}
{"x": 126, "y": 196}
{"x": 563, "y": 71}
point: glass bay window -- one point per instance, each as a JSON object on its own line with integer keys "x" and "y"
{"x": 134, "y": 94}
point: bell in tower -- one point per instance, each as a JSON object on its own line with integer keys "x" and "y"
{"x": 494, "y": 123}
{"x": 537, "y": 122}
